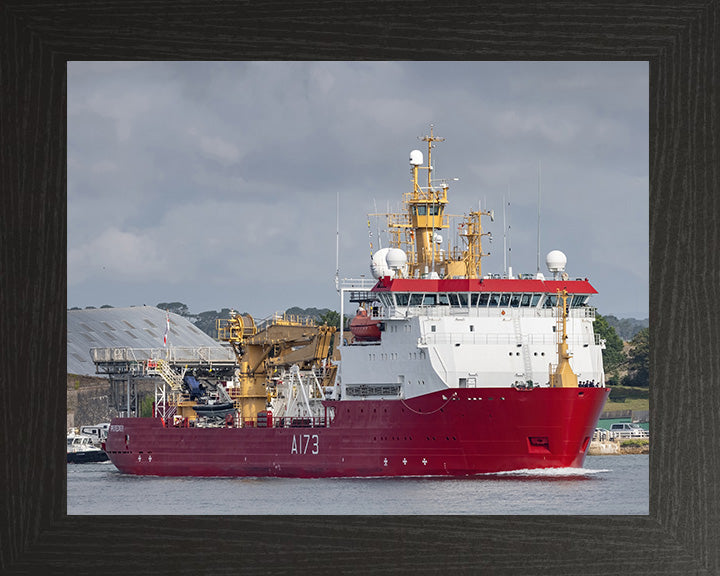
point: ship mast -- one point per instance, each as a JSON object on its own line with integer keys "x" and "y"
{"x": 563, "y": 375}
{"x": 414, "y": 230}
{"x": 426, "y": 211}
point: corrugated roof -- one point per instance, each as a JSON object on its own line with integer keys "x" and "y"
{"x": 134, "y": 327}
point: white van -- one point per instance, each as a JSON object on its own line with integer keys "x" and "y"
{"x": 627, "y": 430}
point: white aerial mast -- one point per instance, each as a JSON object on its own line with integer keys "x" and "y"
{"x": 538, "y": 220}
{"x": 337, "y": 242}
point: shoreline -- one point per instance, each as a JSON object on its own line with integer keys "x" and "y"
{"x": 610, "y": 447}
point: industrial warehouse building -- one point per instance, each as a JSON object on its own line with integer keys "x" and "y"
{"x": 93, "y": 398}
{"x": 137, "y": 327}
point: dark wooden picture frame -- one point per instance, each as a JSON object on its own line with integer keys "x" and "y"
{"x": 680, "y": 42}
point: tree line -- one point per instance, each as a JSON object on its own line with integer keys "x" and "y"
{"x": 625, "y": 363}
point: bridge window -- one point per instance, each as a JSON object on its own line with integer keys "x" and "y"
{"x": 515, "y": 300}
{"x": 416, "y": 299}
{"x": 458, "y": 300}
{"x": 443, "y": 300}
{"x": 579, "y": 300}
{"x": 483, "y": 299}
{"x": 494, "y": 300}
{"x": 386, "y": 299}
{"x": 504, "y": 299}
{"x": 550, "y": 301}
{"x": 402, "y": 299}
{"x": 429, "y": 300}
{"x": 525, "y": 300}
{"x": 535, "y": 299}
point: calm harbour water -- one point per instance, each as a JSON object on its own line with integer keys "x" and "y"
{"x": 606, "y": 485}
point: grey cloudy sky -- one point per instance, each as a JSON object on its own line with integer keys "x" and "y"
{"x": 215, "y": 183}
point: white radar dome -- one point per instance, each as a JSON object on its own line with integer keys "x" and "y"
{"x": 556, "y": 261}
{"x": 396, "y": 258}
{"x": 378, "y": 265}
{"x": 416, "y": 158}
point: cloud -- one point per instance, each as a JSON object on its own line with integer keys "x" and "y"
{"x": 554, "y": 128}
{"x": 225, "y": 175}
{"x": 127, "y": 256}
{"x": 219, "y": 149}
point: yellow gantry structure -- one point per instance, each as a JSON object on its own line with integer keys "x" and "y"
{"x": 263, "y": 353}
{"x": 416, "y": 230}
{"x": 563, "y": 375}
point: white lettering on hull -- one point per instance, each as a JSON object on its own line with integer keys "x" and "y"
{"x": 301, "y": 443}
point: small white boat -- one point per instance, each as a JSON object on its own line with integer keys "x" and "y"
{"x": 81, "y": 449}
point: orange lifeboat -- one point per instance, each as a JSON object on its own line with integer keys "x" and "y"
{"x": 364, "y": 328}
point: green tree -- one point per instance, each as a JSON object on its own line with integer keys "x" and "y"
{"x": 639, "y": 360}
{"x": 613, "y": 355}
{"x": 207, "y": 321}
{"x": 174, "y": 307}
{"x": 146, "y": 406}
{"x": 331, "y": 318}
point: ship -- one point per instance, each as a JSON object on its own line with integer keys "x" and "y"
{"x": 445, "y": 370}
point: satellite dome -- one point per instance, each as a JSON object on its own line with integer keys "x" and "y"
{"x": 416, "y": 157}
{"x": 556, "y": 261}
{"x": 395, "y": 258}
{"x": 378, "y": 265}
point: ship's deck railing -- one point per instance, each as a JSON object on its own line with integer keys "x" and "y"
{"x": 505, "y": 339}
{"x": 285, "y": 319}
{"x": 288, "y": 422}
{"x": 356, "y": 283}
{"x": 400, "y": 312}
{"x": 277, "y": 422}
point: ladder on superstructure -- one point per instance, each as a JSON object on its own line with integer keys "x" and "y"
{"x": 524, "y": 347}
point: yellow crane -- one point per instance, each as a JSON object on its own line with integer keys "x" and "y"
{"x": 264, "y": 352}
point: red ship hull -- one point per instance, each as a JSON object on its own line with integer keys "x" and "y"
{"x": 450, "y": 433}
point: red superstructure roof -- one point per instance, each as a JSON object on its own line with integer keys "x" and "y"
{"x": 388, "y": 284}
